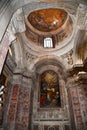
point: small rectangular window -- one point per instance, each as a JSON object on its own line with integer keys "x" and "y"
{"x": 48, "y": 43}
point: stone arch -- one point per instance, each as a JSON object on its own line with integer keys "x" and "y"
{"x": 51, "y": 62}
{"x": 39, "y": 68}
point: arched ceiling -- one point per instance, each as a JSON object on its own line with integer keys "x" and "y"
{"x": 7, "y": 8}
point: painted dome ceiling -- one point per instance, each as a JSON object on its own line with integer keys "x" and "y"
{"x": 48, "y": 28}
{"x": 47, "y": 19}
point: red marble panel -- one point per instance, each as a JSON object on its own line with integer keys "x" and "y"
{"x": 25, "y": 114}
{"x": 19, "y": 106}
{"x": 13, "y": 103}
{"x": 24, "y": 119}
{"x": 15, "y": 93}
{"x": 11, "y": 111}
{"x": 18, "y": 126}
{"x": 26, "y": 100}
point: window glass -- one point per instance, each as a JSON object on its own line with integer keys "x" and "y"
{"x": 48, "y": 43}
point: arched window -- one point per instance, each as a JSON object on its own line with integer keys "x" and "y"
{"x": 49, "y": 90}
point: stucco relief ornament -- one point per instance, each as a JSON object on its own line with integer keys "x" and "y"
{"x": 68, "y": 57}
{"x": 30, "y": 57}
{"x": 70, "y": 60}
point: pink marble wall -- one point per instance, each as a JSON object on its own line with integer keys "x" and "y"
{"x": 78, "y": 105}
{"x": 25, "y": 114}
{"x": 18, "y": 123}
{"x": 13, "y": 104}
{"x": 19, "y": 110}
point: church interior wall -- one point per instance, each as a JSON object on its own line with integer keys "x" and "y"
{"x": 27, "y": 61}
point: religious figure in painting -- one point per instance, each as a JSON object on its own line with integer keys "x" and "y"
{"x": 49, "y": 90}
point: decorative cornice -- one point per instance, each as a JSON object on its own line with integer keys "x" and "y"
{"x": 77, "y": 80}
{"x": 78, "y": 68}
